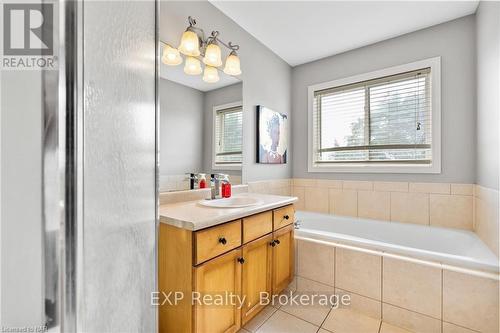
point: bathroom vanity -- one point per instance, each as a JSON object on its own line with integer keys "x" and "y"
{"x": 206, "y": 254}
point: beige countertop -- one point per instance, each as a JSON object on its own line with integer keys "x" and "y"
{"x": 192, "y": 215}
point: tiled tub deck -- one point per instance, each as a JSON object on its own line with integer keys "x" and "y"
{"x": 421, "y": 291}
{"x": 436, "y": 288}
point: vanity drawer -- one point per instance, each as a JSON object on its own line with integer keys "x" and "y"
{"x": 214, "y": 241}
{"x": 283, "y": 216}
{"x": 257, "y": 225}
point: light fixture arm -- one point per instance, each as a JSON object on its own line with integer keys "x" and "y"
{"x": 214, "y": 37}
{"x": 230, "y": 45}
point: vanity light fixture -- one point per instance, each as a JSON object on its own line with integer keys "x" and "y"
{"x": 211, "y": 74}
{"x": 232, "y": 64}
{"x": 193, "y": 45}
{"x": 213, "y": 55}
{"x": 190, "y": 42}
{"x": 192, "y": 66}
{"x": 171, "y": 56}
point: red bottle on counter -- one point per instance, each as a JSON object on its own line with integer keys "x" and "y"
{"x": 226, "y": 188}
{"x": 203, "y": 181}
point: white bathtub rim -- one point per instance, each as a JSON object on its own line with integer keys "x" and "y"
{"x": 329, "y": 242}
{"x": 443, "y": 258}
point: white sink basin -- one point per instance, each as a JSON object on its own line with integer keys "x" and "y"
{"x": 235, "y": 202}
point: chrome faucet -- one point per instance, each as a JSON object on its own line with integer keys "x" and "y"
{"x": 215, "y": 179}
{"x": 193, "y": 180}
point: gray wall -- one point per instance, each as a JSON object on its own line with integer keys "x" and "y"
{"x": 21, "y": 121}
{"x": 224, "y": 95}
{"x": 181, "y": 129}
{"x": 454, "y": 41}
{"x": 117, "y": 258}
{"x": 488, "y": 91}
{"x": 266, "y": 77}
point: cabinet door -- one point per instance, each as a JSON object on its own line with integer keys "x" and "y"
{"x": 214, "y": 279}
{"x": 256, "y": 276}
{"x": 283, "y": 258}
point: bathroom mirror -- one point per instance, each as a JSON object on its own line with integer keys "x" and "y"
{"x": 200, "y": 128}
{"x": 200, "y": 120}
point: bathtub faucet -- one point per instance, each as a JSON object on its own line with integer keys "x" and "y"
{"x": 296, "y": 224}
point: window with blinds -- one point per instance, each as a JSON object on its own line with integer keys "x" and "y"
{"x": 228, "y": 136}
{"x": 384, "y": 120}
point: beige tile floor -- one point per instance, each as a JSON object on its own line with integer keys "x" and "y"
{"x": 288, "y": 319}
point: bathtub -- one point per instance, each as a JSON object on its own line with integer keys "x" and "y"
{"x": 454, "y": 249}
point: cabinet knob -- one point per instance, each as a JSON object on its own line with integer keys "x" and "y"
{"x": 273, "y": 243}
{"x": 286, "y": 217}
{"x": 222, "y": 240}
{"x": 277, "y": 242}
{"x": 241, "y": 260}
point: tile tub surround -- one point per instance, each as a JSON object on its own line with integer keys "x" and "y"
{"x": 315, "y": 262}
{"x": 408, "y": 295}
{"x": 358, "y": 272}
{"x": 486, "y": 217}
{"x": 437, "y": 204}
{"x": 444, "y": 247}
{"x": 465, "y": 206}
{"x": 276, "y": 187}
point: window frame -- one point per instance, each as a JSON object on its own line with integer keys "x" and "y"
{"x": 215, "y": 166}
{"x": 383, "y": 167}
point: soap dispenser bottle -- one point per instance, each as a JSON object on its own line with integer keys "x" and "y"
{"x": 203, "y": 181}
{"x": 226, "y": 187}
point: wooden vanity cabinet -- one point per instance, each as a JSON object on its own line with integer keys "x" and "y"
{"x": 211, "y": 278}
{"x": 283, "y": 258}
{"x": 244, "y": 257}
{"x": 257, "y": 275}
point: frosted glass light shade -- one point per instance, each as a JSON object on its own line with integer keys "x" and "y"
{"x": 192, "y": 66}
{"x": 211, "y": 74}
{"x": 190, "y": 44}
{"x": 213, "y": 55}
{"x": 171, "y": 56}
{"x": 232, "y": 64}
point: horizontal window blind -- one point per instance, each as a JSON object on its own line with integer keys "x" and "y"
{"x": 228, "y": 136}
{"x": 385, "y": 120}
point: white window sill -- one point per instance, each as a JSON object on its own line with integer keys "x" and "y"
{"x": 226, "y": 167}
{"x": 372, "y": 168}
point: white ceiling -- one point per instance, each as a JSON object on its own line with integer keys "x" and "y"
{"x": 303, "y": 31}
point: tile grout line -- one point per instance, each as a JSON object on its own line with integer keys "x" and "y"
{"x": 410, "y": 310}
{"x": 357, "y": 203}
{"x": 272, "y": 314}
{"x": 429, "y": 205}
{"x": 302, "y": 319}
{"x": 358, "y": 294}
{"x": 322, "y": 283}
{"x": 390, "y": 206}
{"x": 334, "y": 287}
{"x": 442, "y": 297}
{"x": 321, "y": 325}
{"x": 381, "y": 290}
